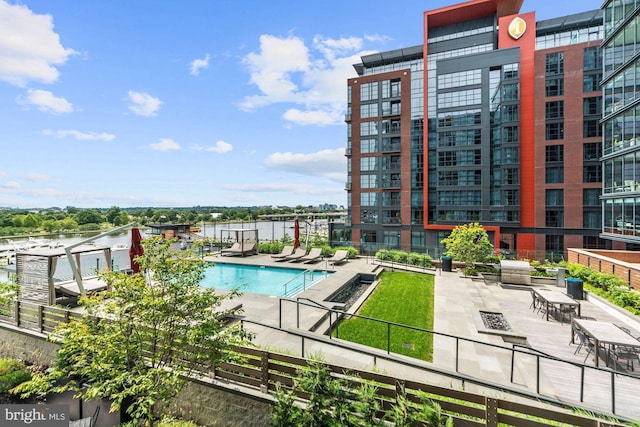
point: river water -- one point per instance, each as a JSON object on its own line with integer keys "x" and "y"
{"x": 90, "y": 263}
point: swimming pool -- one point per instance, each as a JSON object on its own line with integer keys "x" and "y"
{"x": 265, "y": 280}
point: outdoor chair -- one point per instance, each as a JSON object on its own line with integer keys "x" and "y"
{"x": 584, "y": 342}
{"x": 626, "y": 354}
{"x": 286, "y": 251}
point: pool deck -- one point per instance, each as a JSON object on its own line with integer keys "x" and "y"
{"x": 458, "y": 301}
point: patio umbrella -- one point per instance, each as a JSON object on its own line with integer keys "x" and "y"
{"x": 296, "y": 233}
{"x": 136, "y": 249}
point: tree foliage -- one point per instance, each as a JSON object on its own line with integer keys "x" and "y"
{"x": 334, "y": 401}
{"x": 140, "y": 338}
{"x": 468, "y": 243}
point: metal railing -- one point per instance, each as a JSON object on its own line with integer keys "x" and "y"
{"x": 279, "y": 368}
{"x": 307, "y": 278}
{"x": 335, "y": 317}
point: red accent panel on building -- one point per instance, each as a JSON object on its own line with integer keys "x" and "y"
{"x": 527, "y": 45}
{"x": 470, "y": 10}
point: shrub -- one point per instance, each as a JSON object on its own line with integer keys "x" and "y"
{"x": 270, "y": 247}
{"x": 352, "y": 252}
{"x": 12, "y": 373}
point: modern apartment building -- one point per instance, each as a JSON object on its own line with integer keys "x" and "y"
{"x": 621, "y": 133}
{"x": 499, "y": 125}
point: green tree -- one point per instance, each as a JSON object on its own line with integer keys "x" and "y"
{"x": 89, "y": 216}
{"x": 139, "y": 339}
{"x": 468, "y": 243}
{"x": 121, "y": 219}
{"x": 112, "y": 214}
{"x": 31, "y": 221}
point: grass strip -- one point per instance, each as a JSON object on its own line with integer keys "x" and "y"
{"x": 403, "y": 298}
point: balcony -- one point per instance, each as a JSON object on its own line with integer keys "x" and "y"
{"x": 389, "y": 148}
{"x": 347, "y": 118}
{"x": 394, "y": 183}
{"x": 347, "y": 186}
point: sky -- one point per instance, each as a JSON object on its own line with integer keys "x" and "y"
{"x": 162, "y": 103}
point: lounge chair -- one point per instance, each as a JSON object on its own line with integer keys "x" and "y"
{"x": 241, "y": 249}
{"x": 70, "y": 288}
{"x": 299, "y": 253}
{"x": 286, "y": 251}
{"x": 339, "y": 257}
{"x": 314, "y": 255}
{"x": 234, "y": 248}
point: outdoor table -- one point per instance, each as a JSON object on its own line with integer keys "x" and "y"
{"x": 604, "y": 333}
{"x": 551, "y": 298}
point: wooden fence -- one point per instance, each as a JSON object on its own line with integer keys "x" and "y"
{"x": 262, "y": 370}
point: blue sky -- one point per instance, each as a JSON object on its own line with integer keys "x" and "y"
{"x": 166, "y": 103}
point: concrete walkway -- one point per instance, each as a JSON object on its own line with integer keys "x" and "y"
{"x": 458, "y": 303}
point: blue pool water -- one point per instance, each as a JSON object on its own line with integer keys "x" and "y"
{"x": 260, "y": 279}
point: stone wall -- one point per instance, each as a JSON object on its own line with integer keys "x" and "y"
{"x": 207, "y": 402}
{"x": 26, "y": 345}
{"x": 210, "y": 404}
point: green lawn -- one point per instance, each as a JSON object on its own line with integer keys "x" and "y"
{"x": 404, "y": 298}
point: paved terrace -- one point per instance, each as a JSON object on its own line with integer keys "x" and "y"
{"x": 458, "y": 302}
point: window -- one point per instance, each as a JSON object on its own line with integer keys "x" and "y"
{"x": 554, "y": 218}
{"x": 592, "y": 106}
{"x": 510, "y": 176}
{"x": 554, "y": 131}
{"x": 554, "y": 197}
{"x": 368, "y": 146}
{"x": 368, "y": 110}
{"x": 591, "y": 82}
{"x": 554, "y": 86}
{"x": 368, "y": 199}
{"x": 368, "y": 181}
{"x": 554, "y": 153}
{"x": 591, "y": 151}
{"x": 390, "y": 126}
{"x": 369, "y": 91}
{"x": 591, "y": 173}
{"x": 554, "y": 64}
{"x": 510, "y": 113}
{"x": 591, "y": 197}
{"x": 591, "y": 128}
{"x": 368, "y": 128}
{"x": 554, "y": 245}
{"x": 369, "y": 216}
{"x": 368, "y": 164}
{"x": 554, "y": 110}
{"x": 510, "y": 134}
{"x": 592, "y": 60}
{"x": 554, "y": 174}
{"x": 591, "y": 219}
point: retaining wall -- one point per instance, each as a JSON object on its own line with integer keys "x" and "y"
{"x": 208, "y": 403}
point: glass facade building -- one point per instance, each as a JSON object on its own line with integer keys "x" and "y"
{"x": 477, "y": 125}
{"x": 621, "y": 122}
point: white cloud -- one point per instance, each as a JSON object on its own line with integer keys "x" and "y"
{"x": 165, "y": 144}
{"x": 199, "y": 64}
{"x": 219, "y": 147}
{"x": 46, "y": 101}
{"x": 30, "y": 50}
{"x": 271, "y": 70}
{"x": 318, "y": 117}
{"x": 11, "y": 185}
{"x": 80, "y": 136}
{"x": 37, "y": 177}
{"x": 144, "y": 104}
{"x": 326, "y": 163}
{"x": 286, "y": 70}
